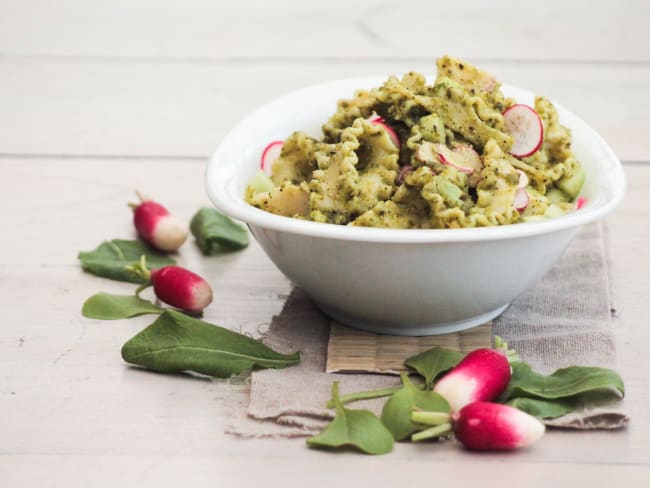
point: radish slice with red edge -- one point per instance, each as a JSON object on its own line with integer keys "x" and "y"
{"x": 521, "y": 200}
{"x": 526, "y": 129}
{"x": 463, "y": 157}
{"x": 378, "y": 120}
{"x": 269, "y": 155}
{"x": 403, "y": 173}
{"x": 580, "y": 202}
{"x": 523, "y": 179}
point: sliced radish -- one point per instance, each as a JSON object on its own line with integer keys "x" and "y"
{"x": 467, "y": 157}
{"x": 378, "y": 120}
{"x": 526, "y": 129}
{"x": 521, "y": 200}
{"x": 463, "y": 157}
{"x": 580, "y": 202}
{"x": 523, "y": 179}
{"x": 269, "y": 155}
{"x": 489, "y": 84}
{"x": 403, "y": 172}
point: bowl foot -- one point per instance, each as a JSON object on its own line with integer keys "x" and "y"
{"x": 412, "y": 330}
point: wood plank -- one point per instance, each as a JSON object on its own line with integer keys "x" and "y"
{"x": 552, "y": 30}
{"x": 163, "y": 109}
{"x": 319, "y": 470}
{"x": 68, "y": 400}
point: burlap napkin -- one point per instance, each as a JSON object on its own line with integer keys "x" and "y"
{"x": 564, "y": 320}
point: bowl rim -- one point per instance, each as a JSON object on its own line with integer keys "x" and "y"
{"x": 219, "y": 174}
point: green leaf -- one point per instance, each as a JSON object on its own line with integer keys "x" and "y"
{"x": 563, "y": 383}
{"x": 543, "y": 409}
{"x": 396, "y": 414}
{"x": 176, "y": 342}
{"x": 110, "y": 259}
{"x": 112, "y": 307}
{"x": 432, "y": 363}
{"x": 217, "y": 233}
{"x": 356, "y": 428}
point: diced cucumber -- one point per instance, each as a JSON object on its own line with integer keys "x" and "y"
{"x": 432, "y": 128}
{"x": 553, "y": 211}
{"x": 261, "y": 183}
{"x": 572, "y": 184}
{"x": 450, "y": 192}
{"x": 555, "y": 195}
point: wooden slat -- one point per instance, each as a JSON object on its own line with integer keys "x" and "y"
{"x": 551, "y": 30}
{"x": 353, "y": 351}
{"x": 145, "y": 109}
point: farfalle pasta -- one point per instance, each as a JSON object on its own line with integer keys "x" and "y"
{"x": 456, "y": 153}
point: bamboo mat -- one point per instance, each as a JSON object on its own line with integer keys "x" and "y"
{"x": 354, "y": 351}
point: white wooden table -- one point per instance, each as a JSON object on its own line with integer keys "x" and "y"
{"x": 100, "y": 98}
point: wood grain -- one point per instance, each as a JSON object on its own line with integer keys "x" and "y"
{"x": 144, "y": 109}
{"x": 204, "y": 29}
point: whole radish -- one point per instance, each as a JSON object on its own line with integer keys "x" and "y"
{"x": 483, "y": 426}
{"x": 156, "y": 226}
{"x": 482, "y": 375}
{"x": 176, "y": 286}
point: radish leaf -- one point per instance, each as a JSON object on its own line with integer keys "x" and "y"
{"x": 543, "y": 409}
{"x": 110, "y": 259}
{"x": 432, "y": 363}
{"x": 112, "y": 307}
{"x": 396, "y": 414}
{"x": 356, "y": 428}
{"x": 217, "y": 233}
{"x": 563, "y": 383}
{"x": 176, "y": 343}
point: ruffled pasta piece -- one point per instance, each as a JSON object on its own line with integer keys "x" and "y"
{"x": 364, "y": 104}
{"x": 497, "y": 188}
{"x": 297, "y": 159}
{"x": 474, "y": 80}
{"x": 288, "y": 200}
{"x": 390, "y": 214}
{"x": 557, "y": 138}
{"x": 339, "y": 192}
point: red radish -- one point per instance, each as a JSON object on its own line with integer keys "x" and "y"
{"x": 181, "y": 288}
{"x": 521, "y": 200}
{"x": 482, "y": 375}
{"x": 467, "y": 157}
{"x": 463, "y": 157}
{"x": 526, "y": 129}
{"x": 580, "y": 202}
{"x": 176, "y": 286}
{"x": 403, "y": 172}
{"x": 269, "y": 155}
{"x": 523, "y": 179}
{"x": 484, "y": 426}
{"x": 391, "y": 132}
{"x": 156, "y": 226}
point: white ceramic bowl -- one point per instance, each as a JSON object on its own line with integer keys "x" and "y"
{"x": 396, "y": 281}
